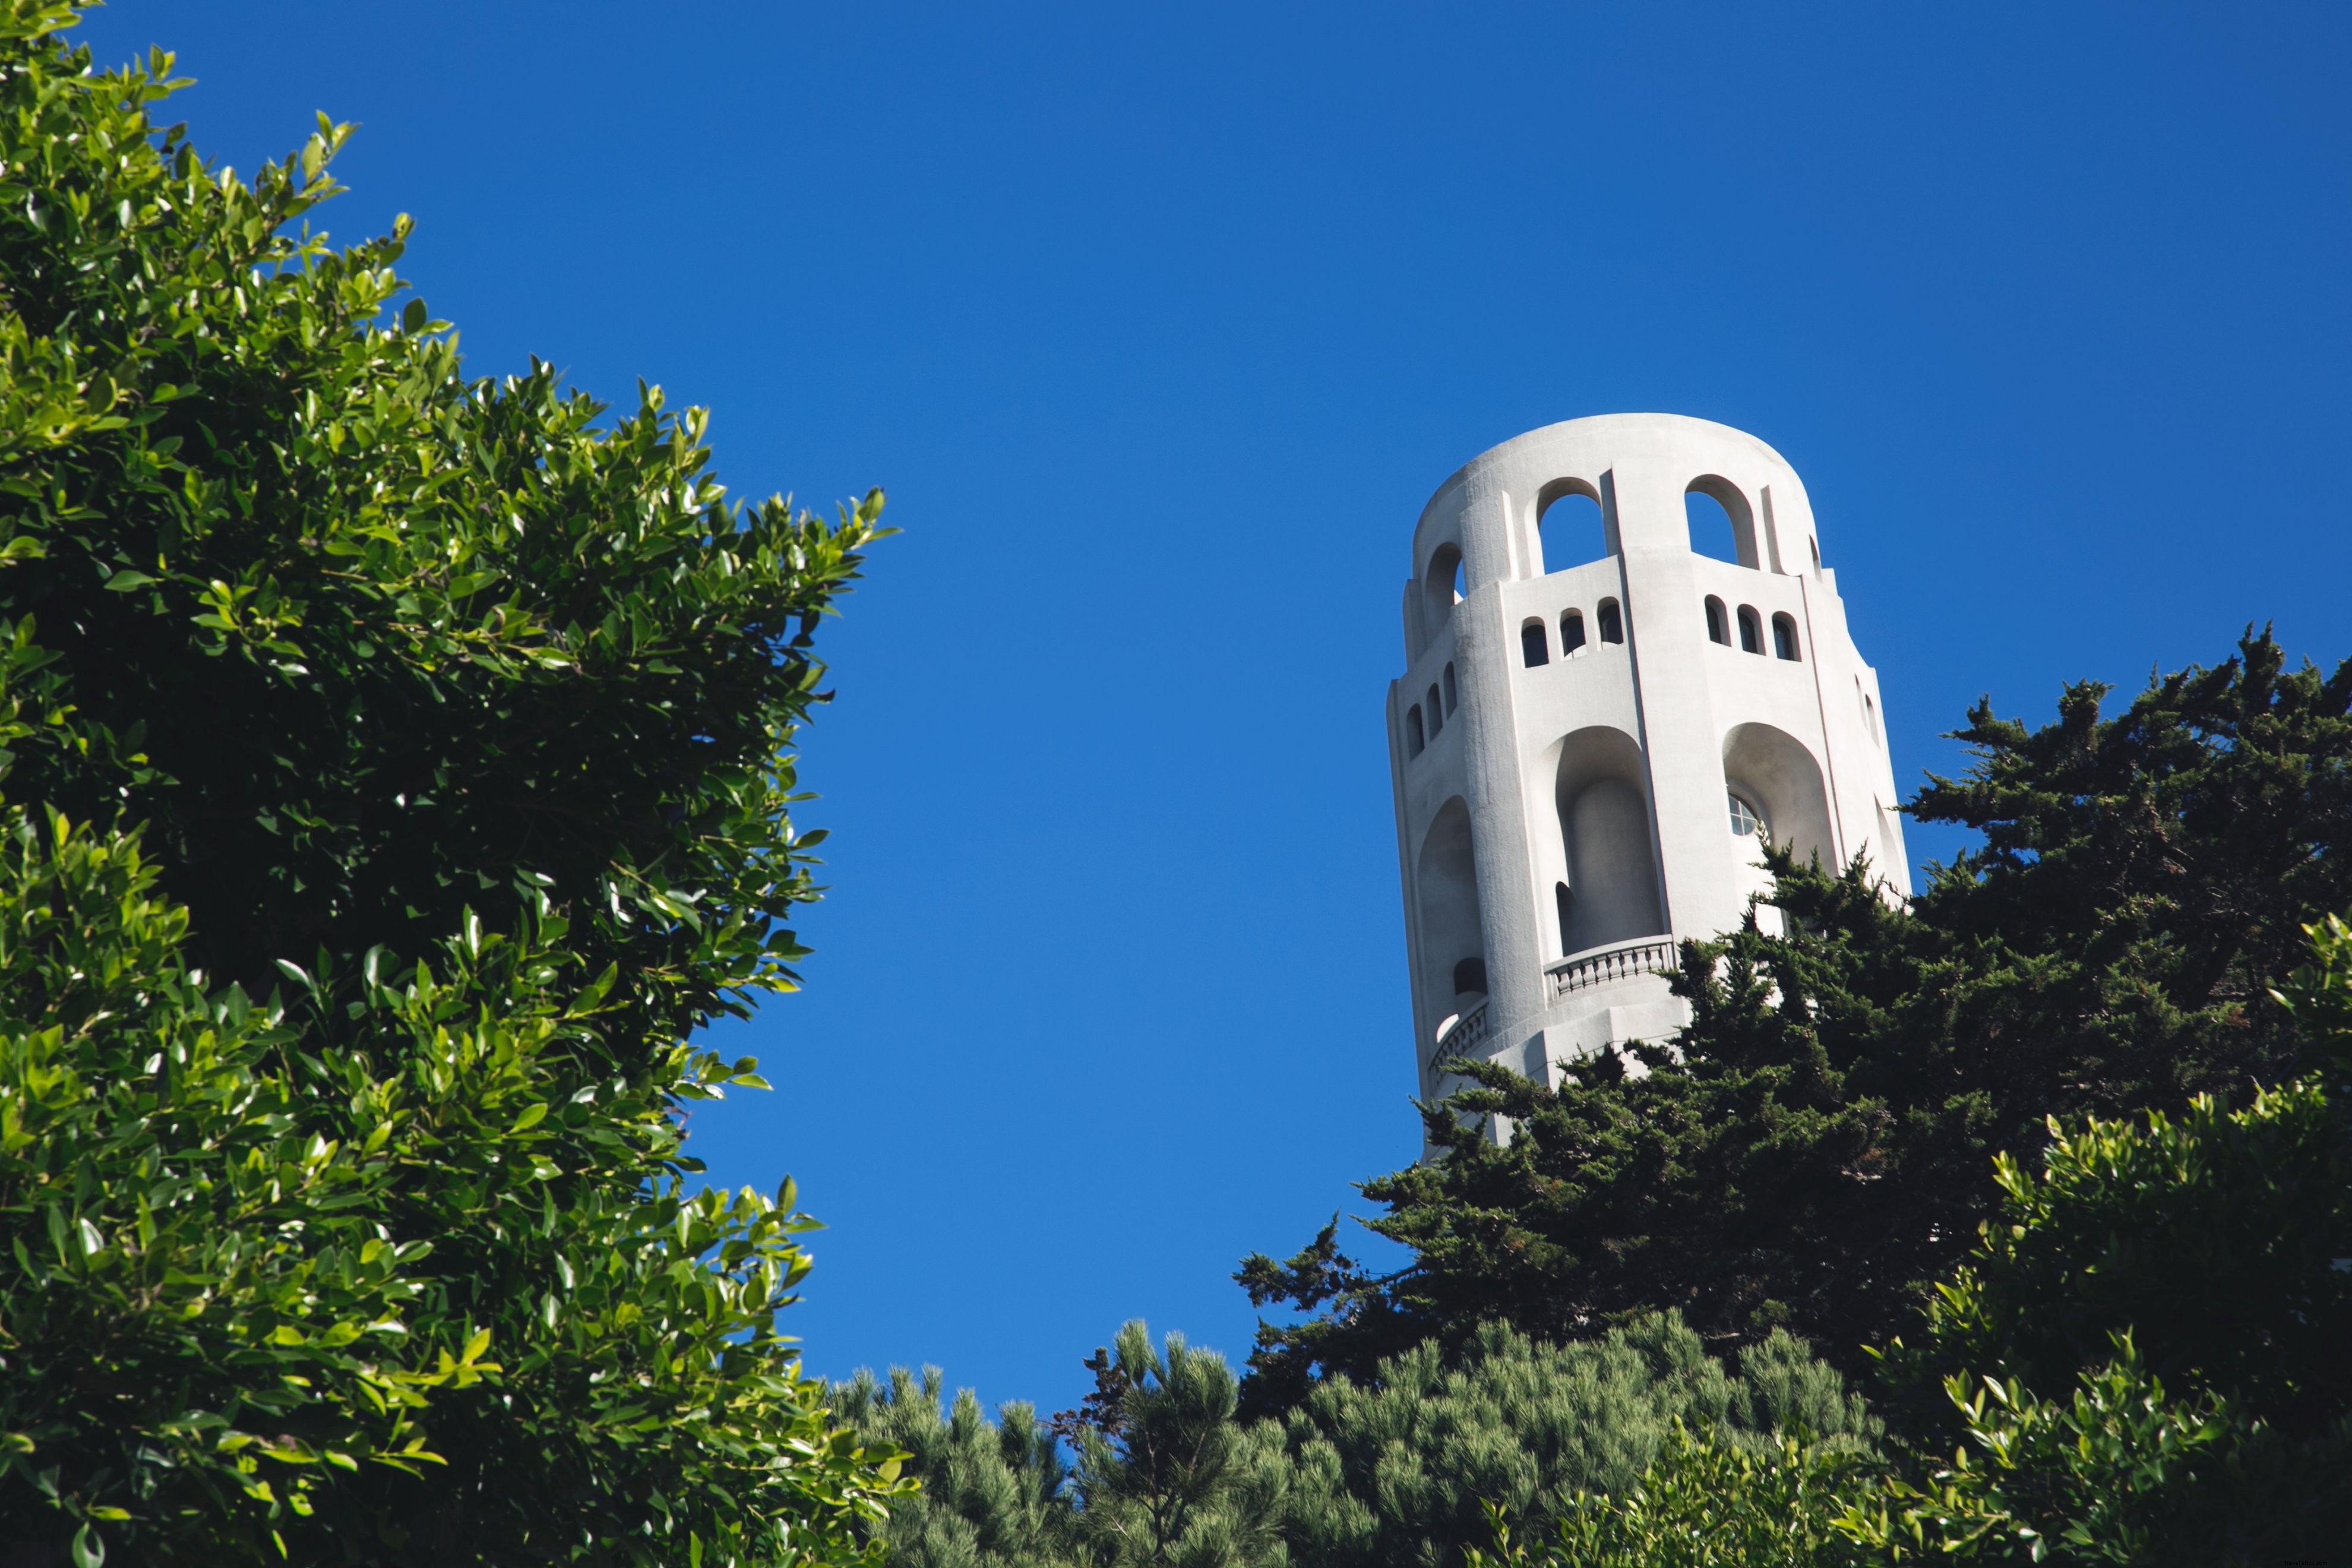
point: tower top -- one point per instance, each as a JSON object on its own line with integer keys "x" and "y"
{"x": 1596, "y": 723}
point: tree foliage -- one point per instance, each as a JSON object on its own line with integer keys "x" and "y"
{"x": 398, "y": 772}
{"x": 1404, "y": 1469}
{"x": 2148, "y": 1358}
{"x": 397, "y": 1271}
{"x": 1702, "y": 1504}
{"x": 994, "y": 1494}
{"x": 1812, "y": 1149}
{"x": 1164, "y": 1476}
{"x": 1401, "y": 1472}
{"x": 2141, "y": 1363}
{"x": 359, "y": 638}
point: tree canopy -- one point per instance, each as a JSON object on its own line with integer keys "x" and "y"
{"x": 1815, "y": 1147}
{"x": 398, "y": 769}
{"x": 359, "y": 638}
{"x": 1399, "y": 1472}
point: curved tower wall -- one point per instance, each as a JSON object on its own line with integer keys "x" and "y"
{"x": 1561, "y": 824}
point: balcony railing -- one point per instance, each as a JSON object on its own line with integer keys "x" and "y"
{"x": 1651, "y": 956}
{"x": 1457, "y": 1036}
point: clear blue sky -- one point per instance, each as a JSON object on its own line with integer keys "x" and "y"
{"x": 1159, "y": 324}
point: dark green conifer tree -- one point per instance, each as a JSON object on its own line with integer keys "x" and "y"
{"x": 1817, "y": 1144}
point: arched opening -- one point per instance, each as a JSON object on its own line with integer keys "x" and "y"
{"x": 1439, "y": 594}
{"x": 1600, "y": 794}
{"x": 1535, "y": 647}
{"x": 1890, "y": 839}
{"x": 1568, "y": 526}
{"x": 1784, "y": 637}
{"x": 1571, "y": 631}
{"x": 1776, "y": 775}
{"x": 1567, "y": 902}
{"x": 1718, "y": 627}
{"x": 1772, "y": 787}
{"x": 1470, "y": 977}
{"x": 1814, "y": 545}
{"x": 1446, "y": 883}
{"x": 1451, "y": 697}
{"x": 1413, "y": 740}
{"x": 1722, "y": 524}
{"x": 1870, "y": 717}
{"x": 1612, "y": 622}
{"x": 1751, "y": 630}
{"x": 1436, "y": 714}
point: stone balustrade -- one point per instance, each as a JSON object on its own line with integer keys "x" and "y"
{"x": 1462, "y": 1035}
{"x": 1651, "y": 955}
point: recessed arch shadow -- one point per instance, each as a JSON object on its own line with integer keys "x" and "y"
{"x": 1775, "y": 771}
{"x": 1600, "y": 792}
{"x": 1446, "y": 882}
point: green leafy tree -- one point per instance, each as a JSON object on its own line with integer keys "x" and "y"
{"x": 2148, "y": 1356}
{"x": 399, "y": 769}
{"x": 357, "y": 1278}
{"x": 1702, "y": 1503}
{"x": 362, "y": 640}
{"x": 1811, "y": 1151}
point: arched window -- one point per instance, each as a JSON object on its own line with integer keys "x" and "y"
{"x": 1784, "y": 637}
{"x": 1569, "y": 529}
{"x": 1436, "y": 714}
{"x": 1718, "y": 627}
{"x": 1535, "y": 648}
{"x": 1710, "y": 526}
{"x": 1412, "y": 737}
{"x": 1470, "y": 976}
{"x": 1814, "y": 545}
{"x": 1450, "y": 694}
{"x": 1567, "y": 902}
{"x": 1720, "y": 521}
{"x": 1747, "y": 821}
{"x": 1437, "y": 588}
{"x": 1613, "y": 624}
{"x": 1751, "y": 630}
{"x": 1571, "y": 631}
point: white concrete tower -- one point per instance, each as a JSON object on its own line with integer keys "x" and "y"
{"x": 1584, "y": 750}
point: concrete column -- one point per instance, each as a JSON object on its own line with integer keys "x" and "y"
{"x": 1679, "y": 739}
{"x": 1498, "y": 825}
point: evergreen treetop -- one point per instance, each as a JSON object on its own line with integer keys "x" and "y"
{"x": 1815, "y": 1147}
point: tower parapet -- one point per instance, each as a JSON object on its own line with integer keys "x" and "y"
{"x": 1585, "y": 753}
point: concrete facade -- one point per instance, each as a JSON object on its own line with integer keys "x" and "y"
{"x": 1583, "y": 753}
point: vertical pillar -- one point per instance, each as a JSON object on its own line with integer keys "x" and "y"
{"x": 1662, "y": 611}
{"x": 1498, "y": 823}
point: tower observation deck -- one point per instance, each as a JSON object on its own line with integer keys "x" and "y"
{"x": 1587, "y": 752}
